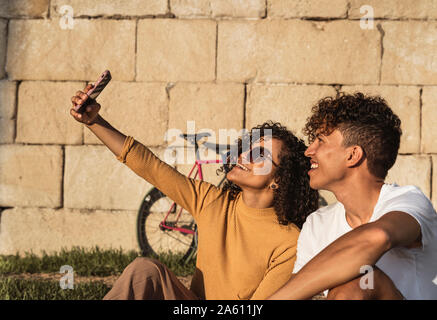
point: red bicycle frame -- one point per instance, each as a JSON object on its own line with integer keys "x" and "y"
{"x": 199, "y": 172}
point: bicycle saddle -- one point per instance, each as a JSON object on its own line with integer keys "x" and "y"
{"x": 217, "y": 147}
{"x": 229, "y": 152}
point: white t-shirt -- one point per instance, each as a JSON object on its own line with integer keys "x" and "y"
{"x": 413, "y": 271}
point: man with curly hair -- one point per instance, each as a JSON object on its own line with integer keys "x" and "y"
{"x": 247, "y": 231}
{"x": 385, "y": 229}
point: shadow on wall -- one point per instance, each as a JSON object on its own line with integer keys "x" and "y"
{"x": 1, "y": 211}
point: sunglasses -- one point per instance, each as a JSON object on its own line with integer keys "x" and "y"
{"x": 258, "y": 155}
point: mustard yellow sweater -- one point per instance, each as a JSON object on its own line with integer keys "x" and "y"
{"x": 243, "y": 252}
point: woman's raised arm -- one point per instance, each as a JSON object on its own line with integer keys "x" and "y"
{"x": 110, "y": 136}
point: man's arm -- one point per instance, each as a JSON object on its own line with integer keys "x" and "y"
{"x": 341, "y": 261}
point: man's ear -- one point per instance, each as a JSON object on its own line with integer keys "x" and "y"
{"x": 355, "y": 156}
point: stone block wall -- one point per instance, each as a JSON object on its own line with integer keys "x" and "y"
{"x": 225, "y": 64}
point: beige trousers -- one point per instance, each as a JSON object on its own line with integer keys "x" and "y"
{"x": 148, "y": 279}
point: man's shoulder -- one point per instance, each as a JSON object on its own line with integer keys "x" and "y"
{"x": 409, "y": 194}
{"x": 395, "y": 190}
{"x": 409, "y": 199}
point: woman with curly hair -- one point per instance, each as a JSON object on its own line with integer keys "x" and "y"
{"x": 293, "y": 199}
{"x": 247, "y": 231}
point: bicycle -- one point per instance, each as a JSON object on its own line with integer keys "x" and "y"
{"x": 163, "y": 224}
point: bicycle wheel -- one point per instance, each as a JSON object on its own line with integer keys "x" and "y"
{"x": 155, "y": 239}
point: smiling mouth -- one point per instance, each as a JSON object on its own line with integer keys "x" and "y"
{"x": 314, "y": 165}
{"x": 241, "y": 167}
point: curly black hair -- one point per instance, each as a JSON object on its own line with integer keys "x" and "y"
{"x": 366, "y": 121}
{"x": 293, "y": 200}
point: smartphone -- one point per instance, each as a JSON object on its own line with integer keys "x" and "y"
{"x": 95, "y": 91}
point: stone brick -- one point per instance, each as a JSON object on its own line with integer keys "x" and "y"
{"x": 40, "y": 229}
{"x": 412, "y": 170}
{"x": 111, "y": 7}
{"x": 23, "y": 8}
{"x": 41, "y": 50}
{"x": 136, "y": 109}
{"x": 191, "y": 8}
{"x": 3, "y": 45}
{"x": 218, "y": 8}
{"x": 288, "y": 104}
{"x": 95, "y": 179}
{"x": 7, "y": 130}
{"x": 429, "y": 120}
{"x": 395, "y": 9}
{"x": 307, "y": 8}
{"x": 236, "y": 51}
{"x": 210, "y": 106}
{"x": 405, "y": 102}
{"x": 409, "y": 53}
{"x": 297, "y": 51}
{"x": 8, "y": 90}
{"x": 43, "y": 114}
{"x": 434, "y": 182}
{"x": 175, "y": 50}
{"x": 30, "y": 176}
{"x": 238, "y": 9}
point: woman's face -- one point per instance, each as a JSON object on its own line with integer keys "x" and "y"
{"x": 255, "y": 168}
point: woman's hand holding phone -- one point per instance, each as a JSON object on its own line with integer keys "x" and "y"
{"x": 85, "y": 109}
{"x": 92, "y": 108}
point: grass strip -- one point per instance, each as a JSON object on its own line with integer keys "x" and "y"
{"x": 22, "y": 289}
{"x": 87, "y": 262}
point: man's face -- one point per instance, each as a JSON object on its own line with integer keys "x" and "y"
{"x": 328, "y": 160}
